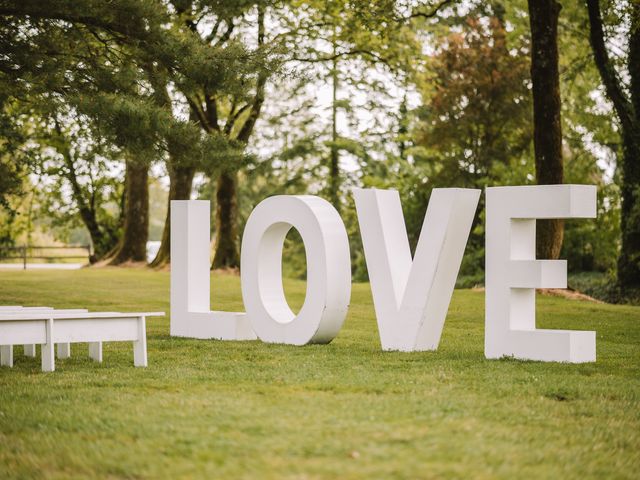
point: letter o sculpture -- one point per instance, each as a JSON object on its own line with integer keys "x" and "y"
{"x": 328, "y": 270}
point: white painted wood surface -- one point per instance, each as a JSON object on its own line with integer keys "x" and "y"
{"x": 513, "y": 273}
{"x": 30, "y": 349}
{"x": 48, "y": 327}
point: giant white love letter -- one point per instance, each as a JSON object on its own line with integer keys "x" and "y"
{"x": 191, "y": 314}
{"x": 328, "y": 270}
{"x": 513, "y": 273}
{"x": 411, "y": 297}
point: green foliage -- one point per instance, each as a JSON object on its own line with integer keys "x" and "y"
{"x": 426, "y": 94}
{"x": 111, "y": 61}
{"x": 10, "y": 180}
{"x": 592, "y": 245}
{"x": 473, "y": 129}
{"x": 12, "y": 167}
{"x": 603, "y": 287}
{"x": 476, "y": 105}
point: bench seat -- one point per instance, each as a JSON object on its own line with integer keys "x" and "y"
{"x": 47, "y": 327}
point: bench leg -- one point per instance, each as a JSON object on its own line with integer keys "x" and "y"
{"x": 95, "y": 351}
{"x": 29, "y": 350}
{"x": 6, "y": 355}
{"x": 48, "y": 357}
{"x": 64, "y": 350}
{"x": 140, "y": 345}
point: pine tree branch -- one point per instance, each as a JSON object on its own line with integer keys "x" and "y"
{"x": 225, "y": 36}
{"x": 432, "y": 13}
{"x": 211, "y": 111}
{"x": 33, "y": 9}
{"x": 234, "y": 117}
{"x": 336, "y": 56}
{"x": 214, "y": 31}
{"x": 197, "y": 111}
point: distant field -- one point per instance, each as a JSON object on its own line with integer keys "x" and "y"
{"x": 210, "y": 409}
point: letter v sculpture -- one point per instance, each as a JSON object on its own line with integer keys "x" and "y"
{"x": 411, "y": 297}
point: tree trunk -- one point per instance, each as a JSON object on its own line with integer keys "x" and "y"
{"x": 133, "y": 245}
{"x": 102, "y": 242}
{"x": 627, "y": 108}
{"x": 226, "y": 249}
{"x": 334, "y": 161}
{"x": 547, "y": 130}
{"x": 629, "y": 259}
{"x": 181, "y": 182}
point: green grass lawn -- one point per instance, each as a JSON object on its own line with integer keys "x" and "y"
{"x": 211, "y": 409}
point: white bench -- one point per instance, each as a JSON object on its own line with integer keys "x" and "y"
{"x": 46, "y": 326}
{"x": 6, "y": 351}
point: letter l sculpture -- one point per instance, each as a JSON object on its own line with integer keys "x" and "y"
{"x": 190, "y": 279}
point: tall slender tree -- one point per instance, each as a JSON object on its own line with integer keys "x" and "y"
{"x": 626, "y": 103}
{"x": 334, "y": 154}
{"x": 547, "y": 126}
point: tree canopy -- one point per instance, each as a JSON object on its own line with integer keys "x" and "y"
{"x": 232, "y": 101}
